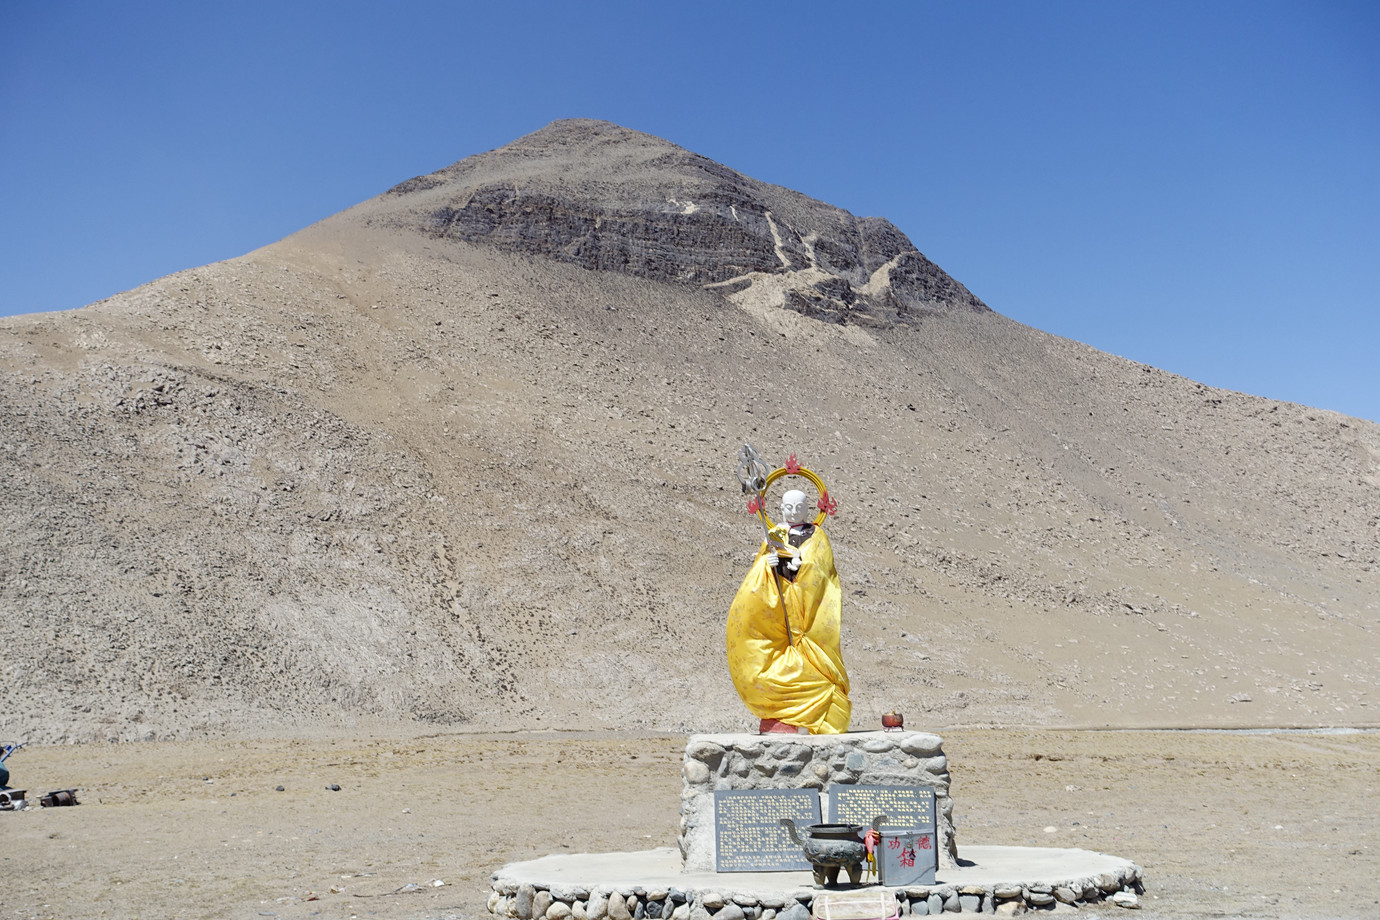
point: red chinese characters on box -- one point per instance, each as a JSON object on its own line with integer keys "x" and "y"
{"x": 907, "y": 857}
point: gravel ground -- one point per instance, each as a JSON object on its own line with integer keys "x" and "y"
{"x": 1224, "y": 824}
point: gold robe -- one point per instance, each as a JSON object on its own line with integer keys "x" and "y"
{"x": 794, "y": 675}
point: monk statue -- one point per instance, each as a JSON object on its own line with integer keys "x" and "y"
{"x": 783, "y": 627}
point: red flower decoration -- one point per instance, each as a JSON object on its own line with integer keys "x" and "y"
{"x": 792, "y": 465}
{"x": 754, "y": 504}
{"x": 827, "y": 504}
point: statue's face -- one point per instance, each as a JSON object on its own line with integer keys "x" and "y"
{"x": 795, "y": 507}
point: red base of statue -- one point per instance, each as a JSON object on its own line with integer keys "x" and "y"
{"x": 777, "y": 727}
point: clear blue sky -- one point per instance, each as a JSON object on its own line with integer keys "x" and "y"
{"x": 1191, "y": 185}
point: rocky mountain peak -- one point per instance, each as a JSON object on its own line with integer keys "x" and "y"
{"x": 607, "y": 198}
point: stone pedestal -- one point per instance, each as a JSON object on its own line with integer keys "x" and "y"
{"x": 743, "y": 761}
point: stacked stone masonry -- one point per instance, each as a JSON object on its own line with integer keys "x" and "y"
{"x": 742, "y": 761}
{"x": 524, "y": 901}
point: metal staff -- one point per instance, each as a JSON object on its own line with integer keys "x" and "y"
{"x": 752, "y": 476}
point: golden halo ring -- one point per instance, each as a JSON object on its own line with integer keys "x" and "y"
{"x": 801, "y": 471}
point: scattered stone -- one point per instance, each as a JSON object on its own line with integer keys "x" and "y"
{"x": 696, "y": 773}
{"x": 921, "y": 744}
{"x": 598, "y": 906}
{"x": 569, "y": 893}
{"x": 559, "y": 910}
{"x": 712, "y": 900}
{"x": 1126, "y": 899}
{"x": 751, "y": 747}
{"x": 523, "y": 903}
{"x": 541, "y": 903}
{"x": 618, "y": 907}
{"x": 334, "y": 787}
{"x": 706, "y": 751}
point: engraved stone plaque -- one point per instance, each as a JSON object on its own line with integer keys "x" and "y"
{"x": 748, "y": 835}
{"x": 907, "y": 808}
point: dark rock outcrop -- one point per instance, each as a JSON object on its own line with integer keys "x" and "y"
{"x": 610, "y": 199}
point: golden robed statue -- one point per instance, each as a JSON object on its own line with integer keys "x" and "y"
{"x": 784, "y": 625}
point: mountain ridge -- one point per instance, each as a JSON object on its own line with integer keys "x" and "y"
{"x": 671, "y": 216}
{"x": 372, "y": 472}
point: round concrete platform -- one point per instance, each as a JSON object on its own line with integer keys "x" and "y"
{"x": 986, "y": 877}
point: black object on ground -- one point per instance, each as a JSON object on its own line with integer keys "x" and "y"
{"x": 60, "y": 797}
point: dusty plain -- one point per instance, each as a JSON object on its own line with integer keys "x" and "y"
{"x": 1225, "y": 824}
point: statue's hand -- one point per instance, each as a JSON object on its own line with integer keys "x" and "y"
{"x": 794, "y": 564}
{"x": 772, "y": 559}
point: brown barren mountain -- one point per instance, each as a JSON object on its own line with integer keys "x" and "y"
{"x": 464, "y": 455}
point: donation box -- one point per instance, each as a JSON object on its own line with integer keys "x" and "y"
{"x": 907, "y": 857}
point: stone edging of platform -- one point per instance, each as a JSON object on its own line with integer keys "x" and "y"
{"x": 525, "y": 901}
